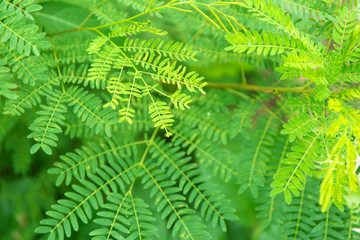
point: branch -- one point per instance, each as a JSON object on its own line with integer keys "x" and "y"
{"x": 258, "y": 88}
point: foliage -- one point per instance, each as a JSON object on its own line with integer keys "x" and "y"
{"x": 164, "y": 119}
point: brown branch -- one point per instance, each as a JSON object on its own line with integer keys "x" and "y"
{"x": 258, "y": 88}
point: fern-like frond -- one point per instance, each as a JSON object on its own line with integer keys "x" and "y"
{"x": 88, "y": 109}
{"x": 97, "y": 44}
{"x": 332, "y": 188}
{"x": 25, "y": 7}
{"x": 271, "y": 210}
{"x": 123, "y": 92}
{"x": 86, "y": 160}
{"x": 170, "y": 73}
{"x": 75, "y": 74}
{"x": 173, "y": 50}
{"x": 210, "y": 155}
{"x": 112, "y": 221}
{"x": 151, "y": 59}
{"x": 350, "y": 73}
{"x": 125, "y": 215}
{"x": 301, "y": 219}
{"x": 305, "y": 220}
{"x": 274, "y": 15}
{"x": 48, "y": 124}
{"x": 322, "y": 92}
{"x": 254, "y": 157}
{"x": 27, "y": 69}
{"x": 192, "y": 182}
{"x": 99, "y": 70}
{"x": 296, "y": 167}
{"x": 180, "y": 100}
{"x": 169, "y": 200}
{"x": 141, "y": 221}
{"x": 305, "y": 65}
{"x": 29, "y": 96}
{"x": 17, "y": 32}
{"x": 75, "y": 128}
{"x": 212, "y": 128}
{"x": 299, "y": 126}
{"x": 266, "y": 44}
{"x": 308, "y": 10}
{"x": 346, "y": 23}
{"x": 298, "y": 105}
{"x": 331, "y": 225}
{"x": 142, "y": 121}
{"x": 87, "y": 196}
{"x": 353, "y": 54}
{"x": 161, "y": 116}
{"x": 68, "y": 51}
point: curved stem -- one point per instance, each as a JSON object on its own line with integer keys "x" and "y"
{"x": 80, "y": 28}
{"x": 170, "y": 5}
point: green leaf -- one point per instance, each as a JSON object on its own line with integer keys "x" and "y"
{"x": 287, "y": 196}
{"x": 35, "y": 148}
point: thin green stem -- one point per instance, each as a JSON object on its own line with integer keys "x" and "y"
{"x": 57, "y": 65}
{"x": 89, "y": 16}
{"x": 300, "y": 212}
{"x": 243, "y": 77}
{"x": 118, "y": 210}
{"x": 85, "y": 20}
{"x": 148, "y": 146}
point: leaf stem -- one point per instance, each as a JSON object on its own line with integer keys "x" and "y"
{"x": 72, "y": 30}
{"x": 258, "y": 88}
